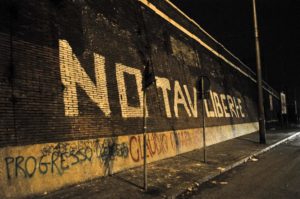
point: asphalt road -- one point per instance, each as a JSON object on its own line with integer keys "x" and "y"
{"x": 275, "y": 174}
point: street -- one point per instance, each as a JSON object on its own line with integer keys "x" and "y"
{"x": 275, "y": 174}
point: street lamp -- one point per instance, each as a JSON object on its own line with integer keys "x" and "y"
{"x": 261, "y": 111}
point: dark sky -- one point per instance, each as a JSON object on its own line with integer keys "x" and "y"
{"x": 231, "y": 23}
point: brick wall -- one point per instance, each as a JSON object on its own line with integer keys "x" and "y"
{"x": 73, "y": 70}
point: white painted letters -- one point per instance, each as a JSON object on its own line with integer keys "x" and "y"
{"x": 164, "y": 84}
{"x": 225, "y": 108}
{"x": 179, "y": 99}
{"x": 219, "y": 108}
{"x": 192, "y": 106}
{"x": 73, "y": 74}
{"x": 129, "y": 111}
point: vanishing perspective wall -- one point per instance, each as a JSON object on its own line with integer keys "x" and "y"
{"x": 71, "y": 90}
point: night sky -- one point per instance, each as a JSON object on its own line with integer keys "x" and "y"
{"x": 231, "y": 23}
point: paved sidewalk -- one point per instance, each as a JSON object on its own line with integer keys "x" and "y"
{"x": 170, "y": 177}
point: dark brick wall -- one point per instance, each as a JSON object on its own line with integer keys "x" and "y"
{"x": 31, "y": 90}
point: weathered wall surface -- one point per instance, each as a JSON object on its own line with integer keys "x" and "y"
{"x": 43, "y": 167}
{"x": 71, "y": 96}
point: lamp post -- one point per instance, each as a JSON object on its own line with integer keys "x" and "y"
{"x": 261, "y": 112}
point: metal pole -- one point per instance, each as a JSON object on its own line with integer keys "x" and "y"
{"x": 145, "y": 140}
{"x": 203, "y": 120}
{"x": 261, "y": 112}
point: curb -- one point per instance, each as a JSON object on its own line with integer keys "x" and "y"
{"x": 233, "y": 165}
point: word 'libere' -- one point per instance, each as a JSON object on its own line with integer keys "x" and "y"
{"x": 72, "y": 75}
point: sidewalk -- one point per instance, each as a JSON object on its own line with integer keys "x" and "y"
{"x": 170, "y": 177}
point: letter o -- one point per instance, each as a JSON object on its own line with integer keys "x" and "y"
{"x": 34, "y": 166}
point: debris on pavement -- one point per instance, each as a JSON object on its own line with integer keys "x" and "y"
{"x": 221, "y": 168}
{"x": 253, "y": 159}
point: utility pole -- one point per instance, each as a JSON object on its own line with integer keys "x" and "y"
{"x": 261, "y": 112}
{"x": 203, "y": 119}
{"x": 148, "y": 79}
{"x": 145, "y": 141}
{"x": 203, "y": 85}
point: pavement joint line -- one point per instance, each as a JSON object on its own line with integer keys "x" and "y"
{"x": 233, "y": 165}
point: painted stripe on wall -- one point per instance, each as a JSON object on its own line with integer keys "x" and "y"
{"x": 191, "y": 35}
{"x": 196, "y": 24}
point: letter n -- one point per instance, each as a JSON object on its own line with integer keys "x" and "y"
{"x": 73, "y": 74}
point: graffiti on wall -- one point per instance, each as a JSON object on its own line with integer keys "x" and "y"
{"x": 73, "y": 74}
{"x": 60, "y": 157}
{"x": 162, "y": 144}
{"x": 223, "y": 105}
